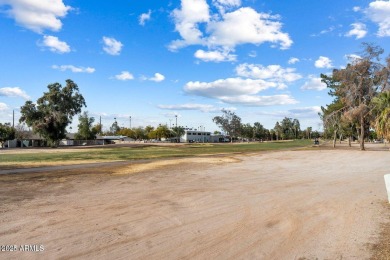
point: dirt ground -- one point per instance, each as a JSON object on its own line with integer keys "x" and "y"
{"x": 304, "y": 204}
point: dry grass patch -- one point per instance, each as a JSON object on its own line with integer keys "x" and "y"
{"x": 143, "y": 167}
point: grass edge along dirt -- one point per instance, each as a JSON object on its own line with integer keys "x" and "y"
{"x": 147, "y": 152}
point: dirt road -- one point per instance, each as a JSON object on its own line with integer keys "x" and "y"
{"x": 321, "y": 204}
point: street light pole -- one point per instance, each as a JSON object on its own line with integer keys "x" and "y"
{"x": 177, "y": 132}
{"x": 130, "y": 122}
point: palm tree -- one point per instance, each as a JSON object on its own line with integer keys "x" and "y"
{"x": 382, "y": 112}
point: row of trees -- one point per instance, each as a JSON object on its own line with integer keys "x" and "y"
{"x": 88, "y": 131}
{"x": 54, "y": 111}
{"x": 287, "y": 129}
{"x": 361, "y": 98}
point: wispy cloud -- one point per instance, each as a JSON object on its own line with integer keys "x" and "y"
{"x": 74, "y": 68}
{"x": 191, "y": 106}
{"x": 145, "y": 17}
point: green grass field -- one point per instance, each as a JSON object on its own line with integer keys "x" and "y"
{"x": 148, "y": 152}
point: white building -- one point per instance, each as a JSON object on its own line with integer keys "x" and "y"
{"x": 195, "y": 136}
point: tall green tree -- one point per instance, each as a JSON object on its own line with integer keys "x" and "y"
{"x": 278, "y": 130}
{"x": 86, "y": 131}
{"x": 54, "y": 111}
{"x": 259, "y": 131}
{"x": 7, "y": 132}
{"x": 178, "y": 131}
{"x": 247, "y": 131}
{"x": 114, "y": 129}
{"x": 140, "y": 133}
{"x": 229, "y": 122}
{"x": 296, "y": 127}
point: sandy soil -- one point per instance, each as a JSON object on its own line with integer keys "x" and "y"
{"x": 325, "y": 204}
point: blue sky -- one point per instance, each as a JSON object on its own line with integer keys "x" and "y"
{"x": 152, "y": 60}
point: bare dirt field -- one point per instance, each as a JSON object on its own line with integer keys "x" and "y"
{"x": 304, "y": 204}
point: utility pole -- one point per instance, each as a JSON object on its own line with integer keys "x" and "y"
{"x": 13, "y": 119}
{"x": 130, "y": 122}
{"x": 101, "y": 127}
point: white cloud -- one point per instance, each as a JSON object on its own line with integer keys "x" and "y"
{"x": 244, "y": 90}
{"x": 358, "y": 29}
{"x": 187, "y": 19}
{"x": 125, "y": 75}
{"x": 313, "y": 83}
{"x": 299, "y": 112}
{"x": 225, "y": 30}
{"x": 112, "y": 46}
{"x": 323, "y": 62}
{"x": 249, "y": 100}
{"x": 305, "y": 112}
{"x": 271, "y": 73}
{"x": 191, "y": 106}
{"x": 13, "y": 92}
{"x": 157, "y": 77}
{"x": 245, "y": 25}
{"x": 238, "y": 91}
{"x": 293, "y": 60}
{"x": 145, "y": 17}
{"x": 3, "y": 107}
{"x": 74, "y": 68}
{"x": 356, "y": 8}
{"x": 37, "y": 15}
{"x": 379, "y": 12}
{"x": 215, "y": 56}
{"x": 227, "y": 87}
{"x": 55, "y": 45}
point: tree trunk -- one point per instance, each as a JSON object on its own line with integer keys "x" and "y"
{"x": 341, "y": 137}
{"x": 362, "y": 132}
{"x": 334, "y": 138}
{"x": 349, "y": 141}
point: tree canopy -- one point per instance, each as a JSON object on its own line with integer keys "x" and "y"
{"x": 354, "y": 89}
{"x": 54, "y": 111}
{"x": 229, "y": 122}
